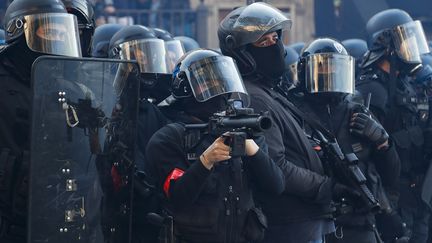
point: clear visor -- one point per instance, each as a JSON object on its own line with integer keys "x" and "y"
{"x": 149, "y": 53}
{"x": 330, "y": 73}
{"x": 175, "y": 50}
{"x": 410, "y": 41}
{"x": 215, "y": 76}
{"x": 256, "y": 20}
{"x": 53, "y": 33}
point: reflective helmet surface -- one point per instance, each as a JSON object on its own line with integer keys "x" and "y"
{"x": 394, "y": 31}
{"x": 204, "y": 74}
{"x": 326, "y": 67}
{"x": 136, "y": 42}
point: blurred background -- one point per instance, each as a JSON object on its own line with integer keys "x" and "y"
{"x": 341, "y": 19}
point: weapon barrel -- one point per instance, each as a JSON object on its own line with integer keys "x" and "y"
{"x": 258, "y": 123}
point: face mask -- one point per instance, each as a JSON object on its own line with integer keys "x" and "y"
{"x": 269, "y": 60}
{"x": 23, "y": 57}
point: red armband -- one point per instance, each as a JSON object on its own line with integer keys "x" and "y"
{"x": 174, "y": 175}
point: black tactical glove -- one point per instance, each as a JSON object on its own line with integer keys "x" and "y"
{"x": 365, "y": 126}
{"x": 340, "y": 191}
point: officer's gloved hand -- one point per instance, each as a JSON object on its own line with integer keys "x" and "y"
{"x": 364, "y": 125}
{"x": 341, "y": 191}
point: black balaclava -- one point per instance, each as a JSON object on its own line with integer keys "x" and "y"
{"x": 204, "y": 110}
{"x": 22, "y": 57}
{"x": 269, "y": 61}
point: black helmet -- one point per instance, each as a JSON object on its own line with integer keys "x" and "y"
{"x": 394, "y": 30}
{"x": 174, "y": 47}
{"x": 101, "y": 39}
{"x": 356, "y": 48}
{"x": 83, "y": 10}
{"x": 204, "y": 74}
{"x": 44, "y": 25}
{"x": 188, "y": 43}
{"x": 246, "y": 25}
{"x": 325, "y": 66}
{"x": 136, "y": 42}
{"x": 289, "y": 79}
{"x": 298, "y": 46}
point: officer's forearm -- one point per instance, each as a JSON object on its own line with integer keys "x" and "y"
{"x": 266, "y": 173}
{"x": 388, "y": 165}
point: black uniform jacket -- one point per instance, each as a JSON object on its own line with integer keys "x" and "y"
{"x": 381, "y": 167}
{"x": 307, "y": 192}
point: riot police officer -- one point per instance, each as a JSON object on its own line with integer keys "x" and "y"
{"x": 302, "y": 213}
{"x": 139, "y": 43}
{"x": 208, "y": 191}
{"x": 395, "y": 43}
{"x": 84, "y": 12}
{"x": 33, "y": 28}
{"x": 326, "y": 74}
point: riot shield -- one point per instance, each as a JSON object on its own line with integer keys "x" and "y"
{"x": 82, "y": 150}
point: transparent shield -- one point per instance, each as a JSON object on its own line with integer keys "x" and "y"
{"x": 149, "y": 53}
{"x": 53, "y": 33}
{"x": 410, "y": 41}
{"x": 80, "y": 176}
{"x": 329, "y": 73}
{"x": 214, "y": 76}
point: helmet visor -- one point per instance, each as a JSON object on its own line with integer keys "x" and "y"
{"x": 174, "y": 50}
{"x": 329, "y": 73}
{"x": 215, "y": 76}
{"x": 410, "y": 41}
{"x": 149, "y": 53}
{"x": 53, "y": 33}
{"x": 255, "y": 21}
